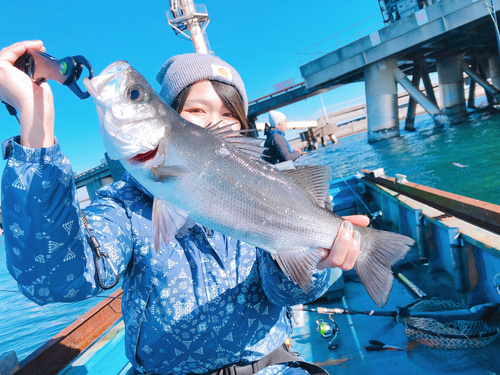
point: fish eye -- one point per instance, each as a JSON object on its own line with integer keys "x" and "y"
{"x": 137, "y": 94}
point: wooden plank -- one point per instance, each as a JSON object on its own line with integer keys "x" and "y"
{"x": 63, "y": 348}
{"x": 483, "y": 214}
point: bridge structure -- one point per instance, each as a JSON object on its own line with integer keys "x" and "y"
{"x": 449, "y": 37}
{"x": 94, "y": 178}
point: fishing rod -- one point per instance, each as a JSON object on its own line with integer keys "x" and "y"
{"x": 374, "y": 215}
{"x": 339, "y": 311}
{"x": 478, "y": 312}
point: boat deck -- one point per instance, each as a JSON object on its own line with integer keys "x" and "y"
{"x": 435, "y": 278}
{"x": 107, "y": 355}
{"x": 357, "y": 330}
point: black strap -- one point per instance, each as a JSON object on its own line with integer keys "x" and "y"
{"x": 280, "y": 355}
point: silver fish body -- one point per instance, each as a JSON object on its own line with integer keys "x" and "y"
{"x": 203, "y": 174}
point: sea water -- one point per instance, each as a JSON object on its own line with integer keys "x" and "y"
{"x": 426, "y": 156}
{"x": 461, "y": 158}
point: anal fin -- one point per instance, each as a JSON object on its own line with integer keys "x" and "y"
{"x": 300, "y": 265}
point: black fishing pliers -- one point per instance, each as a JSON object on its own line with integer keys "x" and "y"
{"x": 41, "y": 67}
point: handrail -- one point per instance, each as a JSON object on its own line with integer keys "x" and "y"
{"x": 276, "y": 92}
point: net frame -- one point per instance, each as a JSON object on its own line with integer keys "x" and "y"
{"x": 459, "y": 334}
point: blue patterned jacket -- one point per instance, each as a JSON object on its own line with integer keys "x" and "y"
{"x": 203, "y": 301}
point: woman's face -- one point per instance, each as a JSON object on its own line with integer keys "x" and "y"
{"x": 203, "y": 107}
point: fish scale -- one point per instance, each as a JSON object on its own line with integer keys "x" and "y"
{"x": 266, "y": 197}
{"x": 211, "y": 177}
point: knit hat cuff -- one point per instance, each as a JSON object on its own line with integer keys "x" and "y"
{"x": 183, "y": 70}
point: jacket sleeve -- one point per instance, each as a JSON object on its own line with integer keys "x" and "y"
{"x": 283, "y": 291}
{"x": 47, "y": 246}
{"x": 281, "y": 150}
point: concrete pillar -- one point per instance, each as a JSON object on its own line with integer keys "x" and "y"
{"x": 451, "y": 85}
{"x": 494, "y": 63}
{"x": 92, "y": 187}
{"x": 381, "y": 100}
{"x": 115, "y": 168}
{"x": 471, "y": 101}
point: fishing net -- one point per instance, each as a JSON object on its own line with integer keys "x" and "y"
{"x": 459, "y": 334}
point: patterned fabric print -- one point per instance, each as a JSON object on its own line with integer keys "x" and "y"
{"x": 202, "y": 302}
{"x": 46, "y": 251}
{"x": 283, "y": 291}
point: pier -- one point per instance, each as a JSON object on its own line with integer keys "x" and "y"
{"x": 449, "y": 37}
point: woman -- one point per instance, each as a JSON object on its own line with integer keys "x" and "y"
{"x": 204, "y": 301}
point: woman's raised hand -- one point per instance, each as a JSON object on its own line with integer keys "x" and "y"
{"x": 34, "y": 102}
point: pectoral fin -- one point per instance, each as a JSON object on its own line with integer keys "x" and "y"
{"x": 167, "y": 220}
{"x": 163, "y": 172}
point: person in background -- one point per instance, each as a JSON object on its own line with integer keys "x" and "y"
{"x": 278, "y": 148}
{"x": 197, "y": 305}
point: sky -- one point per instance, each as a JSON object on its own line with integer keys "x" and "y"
{"x": 260, "y": 39}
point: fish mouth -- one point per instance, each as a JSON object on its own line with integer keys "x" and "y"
{"x": 109, "y": 78}
{"x": 144, "y": 157}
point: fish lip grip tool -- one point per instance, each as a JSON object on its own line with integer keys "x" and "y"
{"x": 42, "y": 67}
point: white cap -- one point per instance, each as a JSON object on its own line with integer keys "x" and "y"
{"x": 275, "y": 118}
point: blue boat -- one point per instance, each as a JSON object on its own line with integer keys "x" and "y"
{"x": 453, "y": 269}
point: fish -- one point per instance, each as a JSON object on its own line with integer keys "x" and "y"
{"x": 214, "y": 176}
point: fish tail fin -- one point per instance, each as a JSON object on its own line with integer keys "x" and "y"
{"x": 380, "y": 250}
{"x": 299, "y": 265}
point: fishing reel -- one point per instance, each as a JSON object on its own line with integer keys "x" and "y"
{"x": 328, "y": 330}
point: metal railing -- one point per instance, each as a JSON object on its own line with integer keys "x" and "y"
{"x": 271, "y": 91}
{"x": 265, "y": 118}
{"x": 91, "y": 168}
{"x": 340, "y": 39}
{"x": 338, "y": 107}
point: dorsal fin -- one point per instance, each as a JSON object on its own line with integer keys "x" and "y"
{"x": 249, "y": 145}
{"x": 314, "y": 179}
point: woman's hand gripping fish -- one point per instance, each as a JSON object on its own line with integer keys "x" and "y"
{"x": 214, "y": 176}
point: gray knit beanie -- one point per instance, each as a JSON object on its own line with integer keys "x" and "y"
{"x": 182, "y": 70}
